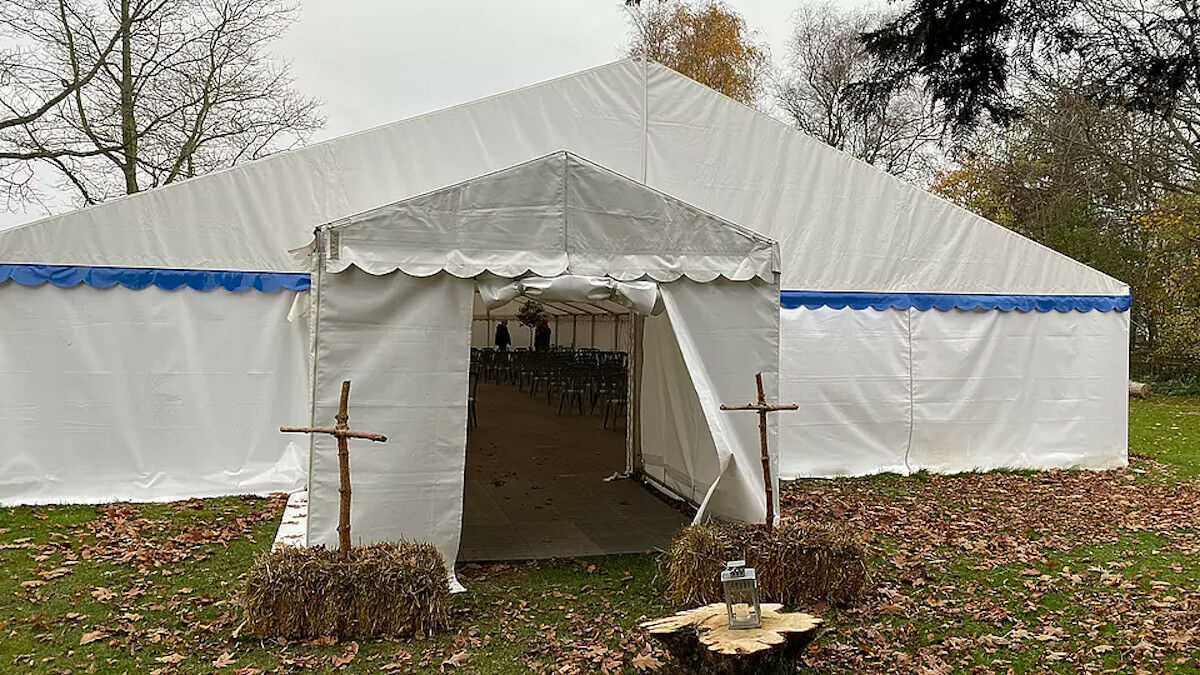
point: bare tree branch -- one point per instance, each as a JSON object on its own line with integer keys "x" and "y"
{"x": 817, "y": 89}
{"x": 143, "y": 93}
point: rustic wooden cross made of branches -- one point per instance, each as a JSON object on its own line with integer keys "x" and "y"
{"x": 343, "y": 433}
{"x": 762, "y": 408}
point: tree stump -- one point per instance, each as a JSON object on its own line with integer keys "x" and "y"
{"x": 702, "y": 641}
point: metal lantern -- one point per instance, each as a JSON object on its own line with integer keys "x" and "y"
{"x": 741, "y": 595}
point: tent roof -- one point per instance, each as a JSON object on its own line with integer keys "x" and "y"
{"x": 557, "y": 214}
{"x": 842, "y": 224}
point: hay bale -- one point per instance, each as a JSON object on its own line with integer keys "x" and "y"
{"x": 796, "y": 564}
{"x": 381, "y": 590}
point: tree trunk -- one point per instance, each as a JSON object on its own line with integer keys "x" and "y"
{"x": 129, "y": 140}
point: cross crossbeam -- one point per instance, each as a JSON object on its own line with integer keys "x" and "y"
{"x": 343, "y": 433}
{"x": 762, "y": 408}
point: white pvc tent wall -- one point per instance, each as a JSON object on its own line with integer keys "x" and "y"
{"x": 393, "y": 314}
{"x": 919, "y": 335}
{"x": 951, "y": 391}
{"x": 115, "y": 394}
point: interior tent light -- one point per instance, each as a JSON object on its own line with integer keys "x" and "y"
{"x": 741, "y": 595}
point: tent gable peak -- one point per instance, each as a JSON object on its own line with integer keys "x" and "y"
{"x": 555, "y": 214}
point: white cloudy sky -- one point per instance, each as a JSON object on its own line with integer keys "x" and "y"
{"x": 376, "y": 61}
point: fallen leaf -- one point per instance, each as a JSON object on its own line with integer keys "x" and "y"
{"x": 458, "y": 660}
{"x": 171, "y": 658}
{"x": 347, "y": 656}
{"x": 646, "y": 662}
{"x": 91, "y": 637}
{"x": 224, "y": 660}
{"x": 400, "y": 660}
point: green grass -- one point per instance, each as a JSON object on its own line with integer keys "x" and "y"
{"x": 1167, "y": 429}
{"x": 1041, "y": 600}
{"x": 1116, "y": 592}
{"x": 516, "y": 615}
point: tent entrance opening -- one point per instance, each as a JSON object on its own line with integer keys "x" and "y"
{"x": 546, "y": 428}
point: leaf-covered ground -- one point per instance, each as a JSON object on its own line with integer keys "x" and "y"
{"x": 1061, "y": 571}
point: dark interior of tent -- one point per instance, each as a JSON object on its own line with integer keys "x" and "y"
{"x": 547, "y": 432}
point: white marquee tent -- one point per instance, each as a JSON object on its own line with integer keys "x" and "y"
{"x": 146, "y": 348}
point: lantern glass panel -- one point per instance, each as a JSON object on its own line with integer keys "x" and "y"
{"x": 741, "y": 595}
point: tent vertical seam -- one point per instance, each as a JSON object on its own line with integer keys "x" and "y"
{"x": 911, "y": 396}
{"x": 645, "y": 118}
{"x": 566, "y": 236}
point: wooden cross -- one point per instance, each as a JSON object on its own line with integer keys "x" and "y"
{"x": 762, "y": 408}
{"x": 343, "y": 433}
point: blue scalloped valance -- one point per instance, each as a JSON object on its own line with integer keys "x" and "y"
{"x": 948, "y": 301}
{"x": 65, "y": 276}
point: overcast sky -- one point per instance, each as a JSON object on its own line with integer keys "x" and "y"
{"x": 377, "y": 61}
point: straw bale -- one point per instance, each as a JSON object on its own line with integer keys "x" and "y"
{"x": 381, "y": 590}
{"x": 796, "y": 564}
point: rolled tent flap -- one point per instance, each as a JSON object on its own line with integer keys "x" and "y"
{"x": 640, "y": 296}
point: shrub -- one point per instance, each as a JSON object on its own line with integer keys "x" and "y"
{"x": 796, "y": 564}
{"x": 381, "y": 590}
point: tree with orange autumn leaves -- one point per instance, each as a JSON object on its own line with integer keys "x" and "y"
{"x": 706, "y": 41}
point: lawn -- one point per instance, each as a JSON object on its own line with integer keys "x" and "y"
{"x": 1062, "y": 571}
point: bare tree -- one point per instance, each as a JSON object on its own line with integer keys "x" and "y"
{"x": 132, "y": 94}
{"x": 30, "y": 86}
{"x": 818, "y": 89}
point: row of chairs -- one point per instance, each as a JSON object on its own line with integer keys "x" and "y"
{"x": 583, "y": 380}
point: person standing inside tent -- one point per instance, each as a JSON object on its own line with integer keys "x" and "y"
{"x": 541, "y": 337}
{"x": 503, "y": 339}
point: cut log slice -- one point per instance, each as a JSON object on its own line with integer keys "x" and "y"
{"x": 703, "y": 634}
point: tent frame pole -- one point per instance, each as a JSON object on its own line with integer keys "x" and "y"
{"x": 319, "y": 257}
{"x": 634, "y": 465}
